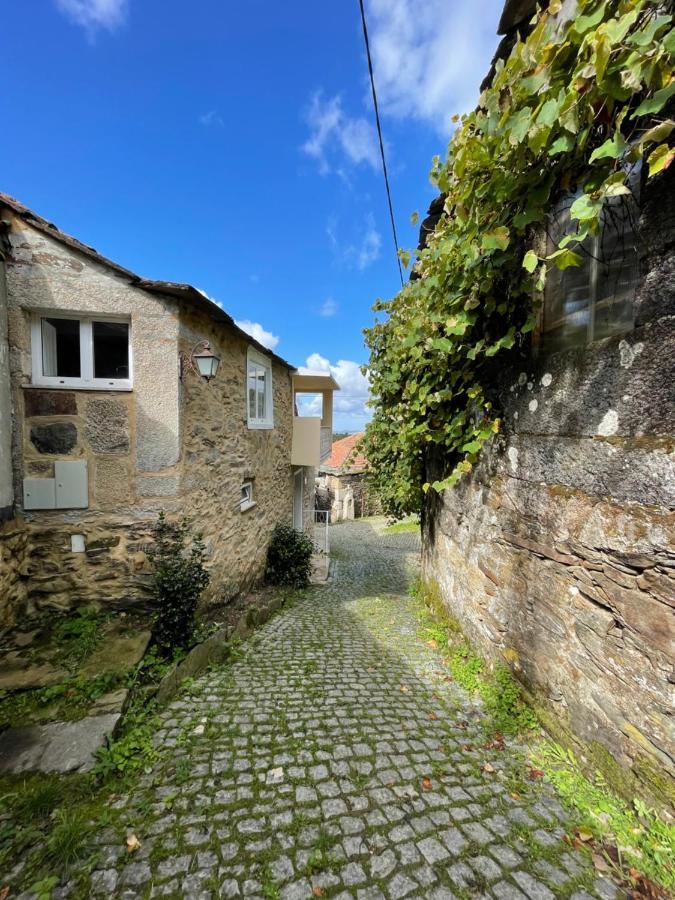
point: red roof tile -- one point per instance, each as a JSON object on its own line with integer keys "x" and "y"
{"x": 344, "y": 455}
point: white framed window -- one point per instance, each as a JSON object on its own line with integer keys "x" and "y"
{"x": 246, "y": 501}
{"x": 90, "y": 352}
{"x": 594, "y": 300}
{"x": 259, "y": 409}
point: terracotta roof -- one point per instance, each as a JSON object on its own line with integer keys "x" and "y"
{"x": 180, "y": 291}
{"x": 345, "y": 455}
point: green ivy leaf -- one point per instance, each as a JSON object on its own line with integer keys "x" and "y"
{"x": 496, "y": 240}
{"x": 660, "y": 158}
{"x": 530, "y": 261}
{"x": 611, "y": 149}
{"x": 656, "y": 103}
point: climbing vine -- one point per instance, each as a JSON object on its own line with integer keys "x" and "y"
{"x": 574, "y": 106}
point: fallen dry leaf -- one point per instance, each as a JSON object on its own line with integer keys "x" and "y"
{"x": 599, "y": 862}
{"x": 432, "y": 716}
{"x": 133, "y": 843}
{"x": 4, "y": 892}
{"x": 433, "y": 644}
{"x": 317, "y": 891}
{"x": 404, "y": 689}
{"x": 584, "y": 835}
{"x": 516, "y": 796}
{"x": 488, "y": 767}
{"x": 467, "y": 748}
{"x": 533, "y": 773}
{"x": 426, "y": 784}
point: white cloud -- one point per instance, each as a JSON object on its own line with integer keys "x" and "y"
{"x": 349, "y": 403}
{"x": 212, "y": 117}
{"x": 336, "y": 138}
{"x": 359, "y": 253}
{"x": 258, "y": 333}
{"x": 430, "y": 58}
{"x": 369, "y": 250}
{"x": 95, "y": 14}
{"x": 328, "y": 308}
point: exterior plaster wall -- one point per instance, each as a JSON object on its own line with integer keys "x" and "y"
{"x": 557, "y": 555}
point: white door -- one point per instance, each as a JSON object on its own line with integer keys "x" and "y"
{"x": 298, "y": 490}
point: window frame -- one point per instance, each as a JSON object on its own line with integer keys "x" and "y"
{"x": 592, "y": 265}
{"x": 250, "y": 503}
{"x": 260, "y": 361}
{"x": 86, "y": 380}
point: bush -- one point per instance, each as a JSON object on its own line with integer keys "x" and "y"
{"x": 289, "y": 557}
{"x": 177, "y": 561}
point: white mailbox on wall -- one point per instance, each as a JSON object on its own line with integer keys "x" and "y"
{"x": 68, "y": 489}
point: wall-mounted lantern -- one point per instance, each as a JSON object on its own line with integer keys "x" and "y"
{"x": 202, "y": 361}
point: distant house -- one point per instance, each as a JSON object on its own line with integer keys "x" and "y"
{"x": 341, "y": 484}
{"x": 120, "y": 397}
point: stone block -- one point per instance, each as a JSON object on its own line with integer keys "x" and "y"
{"x": 157, "y": 485}
{"x": 50, "y": 403}
{"x": 57, "y": 438}
{"x": 56, "y": 747}
{"x": 112, "y": 485}
{"x": 107, "y": 425}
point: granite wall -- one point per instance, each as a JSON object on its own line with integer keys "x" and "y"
{"x": 178, "y": 445}
{"x": 220, "y": 452}
{"x": 557, "y": 555}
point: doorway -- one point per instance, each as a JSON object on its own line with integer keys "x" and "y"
{"x": 298, "y": 491}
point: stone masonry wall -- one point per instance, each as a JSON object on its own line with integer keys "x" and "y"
{"x": 128, "y": 439}
{"x": 220, "y": 452}
{"x": 557, "y": 555}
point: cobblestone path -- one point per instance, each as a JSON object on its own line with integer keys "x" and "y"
{"x": 328, "y": 761}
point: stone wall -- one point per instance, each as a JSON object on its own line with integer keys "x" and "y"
{"x": 6, "y": 490}
{"x": 557, "y": 555}
{"x": 220, "y": 452}
{"x": 181, "y": 446}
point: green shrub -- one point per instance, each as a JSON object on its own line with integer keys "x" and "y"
{"x": 289, "y": 557}
{"x": 177, "y": 560}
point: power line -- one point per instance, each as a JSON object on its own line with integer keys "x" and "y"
{"x": 379, "y": 134}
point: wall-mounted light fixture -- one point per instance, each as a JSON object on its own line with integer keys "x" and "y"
{"x": 202, "y": 361}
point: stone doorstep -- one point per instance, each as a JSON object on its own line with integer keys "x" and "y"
{"x": 56, "y": 747}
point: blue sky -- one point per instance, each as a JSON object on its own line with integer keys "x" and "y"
{"x": 232, "y": 146}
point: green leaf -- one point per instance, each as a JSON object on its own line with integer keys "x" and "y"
{"x": 566, "y": 259}
{"x": 404, "y": 256}
{"x": 657, "y": 102}
{"x": 414, "y": 218}
{"x": 660, "y": 158}
{"x": 564, "y": 143}
{"x": 586, "y": 208}
{"x": 658, "y": 133}
{"x": 530, "y": 261}
{"x": 496, "y": 240}
{"x": 549, "y": 112}
{"x": 612, "y": 148}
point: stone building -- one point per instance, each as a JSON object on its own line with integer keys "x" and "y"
{"x": 106, "y": 419}
{"x": 557, "y": 554}
{"x": 341, "y": 482}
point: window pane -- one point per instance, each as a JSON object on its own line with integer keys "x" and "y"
{"x": 111, "y": 349}
{"x": 251, "y": 392}
{"x": 617, "y": 270}
{"x": 568, "y": 293}
{"x": 261, "y": 393}
{"x": 61, "y": 348}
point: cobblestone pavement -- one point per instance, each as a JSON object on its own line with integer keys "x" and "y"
{"x": 334, "y": 758}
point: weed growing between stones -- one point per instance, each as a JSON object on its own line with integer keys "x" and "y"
{"x": 631, "y": 843}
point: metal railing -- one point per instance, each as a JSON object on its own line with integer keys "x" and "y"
{"x": 320, "y": 530}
